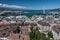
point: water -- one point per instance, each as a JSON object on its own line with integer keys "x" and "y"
{"x": 28, "y": 13}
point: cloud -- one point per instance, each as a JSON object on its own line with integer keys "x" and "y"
{"x": 13, "y": 6}
{"x": 0, "y": 4}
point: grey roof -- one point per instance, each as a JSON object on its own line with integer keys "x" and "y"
{"x": 43, "y": 23}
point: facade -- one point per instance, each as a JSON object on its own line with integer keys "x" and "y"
{"x": 18, "y": 27}
{"x": 9, "y": 31}
{"x": 56, "y": 32}
{"x": 43, "y": 26}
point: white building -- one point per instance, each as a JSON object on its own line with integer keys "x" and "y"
{"x": 43, "y": 26}
{"x": 37, "y": 18}
{"x": 56, "y": 32}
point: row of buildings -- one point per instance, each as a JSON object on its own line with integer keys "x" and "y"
{"x": 48, "y": 23}
{"x": 9, "y": 31}
{"x": 45, "y": 23}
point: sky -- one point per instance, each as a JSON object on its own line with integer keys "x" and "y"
{"x": 33, "y": 4}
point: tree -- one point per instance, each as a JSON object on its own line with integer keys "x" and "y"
{"x": 37, "y": 35}
{"x": 17, "y": 30}
{"x": 31, "y": 28}
{"x": 2, "y": 15}
{"x": 50, "y": 35}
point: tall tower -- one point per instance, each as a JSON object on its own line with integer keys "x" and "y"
{"x": 43, "y": 10}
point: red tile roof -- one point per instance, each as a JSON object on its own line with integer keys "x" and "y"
{"x": 56, "y": 28}
{"x": 25, "y": 28}
{"x": 4, "y": 23}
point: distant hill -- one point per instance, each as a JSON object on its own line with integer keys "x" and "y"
{"x": 57, "y": 9}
